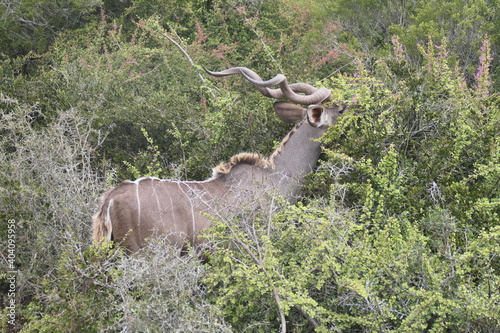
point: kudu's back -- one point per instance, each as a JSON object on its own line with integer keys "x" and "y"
{"x": 180, "y": 211}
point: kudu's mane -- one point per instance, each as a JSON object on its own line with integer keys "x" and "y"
{"x": 242, "y": 158}
{"x": 278, "y": 150}
{"x": 252, "y": 158}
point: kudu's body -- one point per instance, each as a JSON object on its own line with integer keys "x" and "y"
{"x": 135, "y": 210}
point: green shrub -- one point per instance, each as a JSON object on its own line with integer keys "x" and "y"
{"x": 79, "y": 295}
{"x": 160, "y": 291}
{"x": 417, "y": 163}
{"x": 399, "y": 227}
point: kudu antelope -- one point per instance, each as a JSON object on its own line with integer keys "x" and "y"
{"x": 135, "y": 210}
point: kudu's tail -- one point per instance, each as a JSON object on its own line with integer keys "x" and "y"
{"x": 102, "y": 229}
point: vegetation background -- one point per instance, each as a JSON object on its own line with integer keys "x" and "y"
{"x": 399, "y": 228}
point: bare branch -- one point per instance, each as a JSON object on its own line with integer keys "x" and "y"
{"x": 188, "y": 57}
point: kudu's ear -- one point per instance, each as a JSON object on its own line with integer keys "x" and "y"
{"x": 317, "y": 116}
{"x": 289, "y": 112}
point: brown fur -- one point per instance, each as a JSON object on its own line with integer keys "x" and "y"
{"x": 109, "y": 207}
{"x": 102, "y": 227}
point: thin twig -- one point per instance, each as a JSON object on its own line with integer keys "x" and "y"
{"x": 190, "y": 61}
{"x": 187, "y": 57}
{"x": 94, "y": 281}
{"x": 141, "y": 75}
{"x": 268, "y": 52}
{"x": 269, "y": 222}
{"x": 275, "y": 291}
{"x": 312, "y": 320}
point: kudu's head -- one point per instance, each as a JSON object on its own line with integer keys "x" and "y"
{"x": 317, "y": 115}
{"x": 297, "y": 93}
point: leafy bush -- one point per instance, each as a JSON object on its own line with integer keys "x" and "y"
{"x": 48, "y": 187}
{"x": 33, "y": 25}
{"x": 100, "y": 289}
{"x": 78, "y": 296}
{"x": 418, "y": 167}
{"x": 399, "y": 226}
{"x": 160, "y": 291}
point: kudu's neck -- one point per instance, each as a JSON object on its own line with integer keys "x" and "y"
{"x": 296, "y": 157}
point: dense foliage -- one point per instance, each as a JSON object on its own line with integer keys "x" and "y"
{"x": 399, "y": 226}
